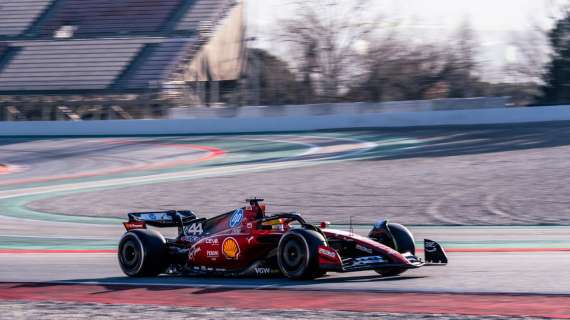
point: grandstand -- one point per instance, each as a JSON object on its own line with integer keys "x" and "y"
{"x": 115, "y": 58}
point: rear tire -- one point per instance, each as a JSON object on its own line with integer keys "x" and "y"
{"x": 297, "y": 254}
{"x": 142, "y": 253}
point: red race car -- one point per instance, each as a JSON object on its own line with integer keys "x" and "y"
{"x": 246, "y": 242}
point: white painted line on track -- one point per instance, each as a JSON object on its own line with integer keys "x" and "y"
{"x": 313, "y": 148}
{"x": 53, "y": 237}
{"x": 12, "y": 168}
{"x": 59, "y": 223}
{"x": 357, "y": 147}
{"x": 230, "y": 170}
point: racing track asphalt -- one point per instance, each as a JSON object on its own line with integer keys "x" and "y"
{"x": 429, "y": 177}
{"x": 478, "y": 176}
{"x": 536, "y": 273}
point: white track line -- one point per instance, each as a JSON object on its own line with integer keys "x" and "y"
{"x": 200, "y": 173}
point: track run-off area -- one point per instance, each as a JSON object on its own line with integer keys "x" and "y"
{"x": 496, "y": 198}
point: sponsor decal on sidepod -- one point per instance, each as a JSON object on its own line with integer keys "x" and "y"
{"x": 213, "y": 241}
{"x": 212, "y": 253}
{"x": 261, "y": 271}
{"x": 193, "y": 252}
{"x": 230, "y": 248}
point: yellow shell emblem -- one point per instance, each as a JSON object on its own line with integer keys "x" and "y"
{"x": 230, "y": 248}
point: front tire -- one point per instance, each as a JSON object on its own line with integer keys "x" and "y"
{"x": 297, "y": 254}
{"x": 142, "y": 253}
{"x": 405, "y": 242}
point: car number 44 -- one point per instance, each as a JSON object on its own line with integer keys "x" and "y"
{"x": 194, "y": 229}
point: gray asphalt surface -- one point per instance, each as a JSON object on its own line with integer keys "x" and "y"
{"x": 541, "y": 273}
{"x": 514, "y": 176}
{"x": 510, "y": 176}
{"x": 58, "y": 156}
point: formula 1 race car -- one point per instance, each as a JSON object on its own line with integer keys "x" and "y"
{"x": 246, "y": 242}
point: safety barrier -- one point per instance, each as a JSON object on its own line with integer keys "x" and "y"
{"x": 286, "y": 124}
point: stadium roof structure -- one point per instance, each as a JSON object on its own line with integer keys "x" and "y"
{"x": 52, "y": 47}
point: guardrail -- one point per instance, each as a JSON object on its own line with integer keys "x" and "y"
{"x": 286, "y": 124}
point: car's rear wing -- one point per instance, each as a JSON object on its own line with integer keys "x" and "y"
{"x": 161, "y": 219}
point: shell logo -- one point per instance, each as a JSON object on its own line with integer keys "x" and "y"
{"x": 230, "y": 248}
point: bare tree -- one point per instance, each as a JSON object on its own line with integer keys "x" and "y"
{"x": 399, "y": 70}
{"x": 463, "y": 71}
{"x": 529, "y": 55}
{"x": 322, "y": 37}
{"x": 532, "y": 53}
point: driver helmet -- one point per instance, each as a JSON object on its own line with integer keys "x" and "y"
{"x": 256, "y": 208}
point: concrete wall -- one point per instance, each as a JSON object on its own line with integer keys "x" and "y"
{"x": 286, "y": 124}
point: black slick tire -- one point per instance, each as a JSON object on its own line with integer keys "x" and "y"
{"x": 142, "y": 253}
{"x": 297, "y": 254}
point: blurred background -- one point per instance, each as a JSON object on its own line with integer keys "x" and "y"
{"x": 92, "y": 59}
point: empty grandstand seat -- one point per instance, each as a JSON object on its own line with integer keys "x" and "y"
{"x": 100, "y": 17}
{"x": 154, "y": 64}
{"x": 112, "y": 44}
{"x": 16, "y": 16}
{"x": 6, "y": 54}
{"x": 118, "y": 63}
{"x": 203, "y": 12}
{"x": 65, "y": 65}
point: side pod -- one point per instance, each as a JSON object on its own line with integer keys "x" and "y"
{"x": 434, "y": 253}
